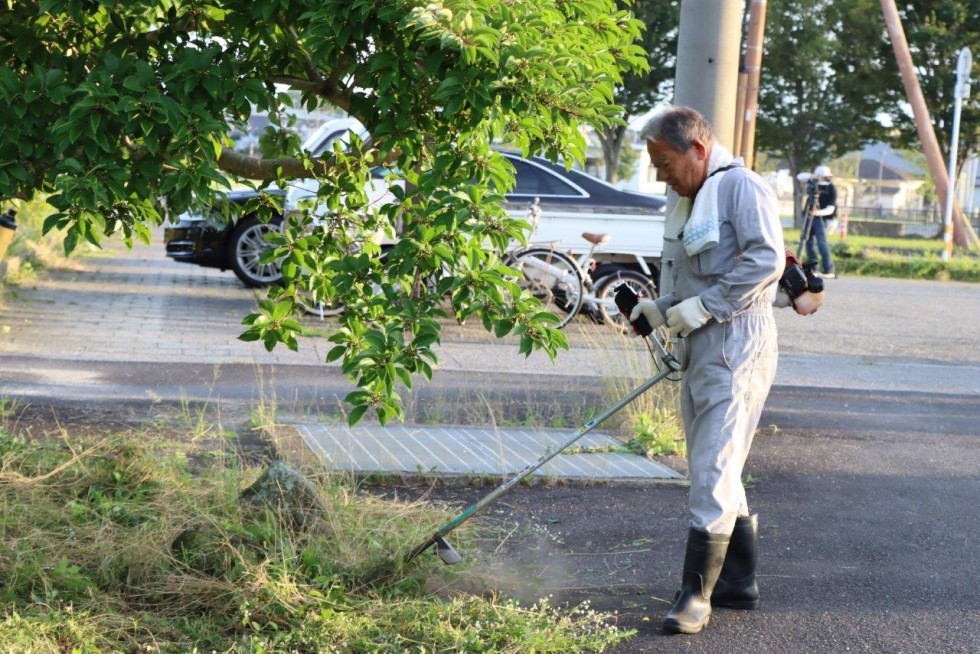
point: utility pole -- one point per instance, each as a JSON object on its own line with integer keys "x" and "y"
{"x": 753, "y": 71}
{"x": 708, "y": 45}
{"x": 706, "y": 79}
{"x": 963, "y": 65}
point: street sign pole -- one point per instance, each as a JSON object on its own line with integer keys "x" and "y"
{"x": 963, "y": 65}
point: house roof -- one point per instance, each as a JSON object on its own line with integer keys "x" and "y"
{"x": 880, "y": 161}
{"x": 874, "y": 169}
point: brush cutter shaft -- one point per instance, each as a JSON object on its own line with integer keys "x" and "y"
{"x": 531, "y": 467}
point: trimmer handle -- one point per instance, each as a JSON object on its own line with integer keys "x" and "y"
{"x": 626, "y": 300}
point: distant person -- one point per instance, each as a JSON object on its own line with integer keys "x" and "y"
{"x": 823, "y": 213}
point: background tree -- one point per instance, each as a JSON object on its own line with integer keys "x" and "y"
{"x": 936, "y": 31}
{"x": 822, "y": 91}
{"x": 114, "y": 105}
{"x": 628, "y": 158}
{"x": 641, "y": 91}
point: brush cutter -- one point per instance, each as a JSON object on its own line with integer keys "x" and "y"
{"x": 625, "y": 300}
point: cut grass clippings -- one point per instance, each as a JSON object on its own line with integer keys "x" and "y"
{"x": 130, "y": 543}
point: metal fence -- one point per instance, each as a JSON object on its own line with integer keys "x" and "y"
{"x": 929, "y": 216}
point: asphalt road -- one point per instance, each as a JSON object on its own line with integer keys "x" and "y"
{"x": 866, "y": 471}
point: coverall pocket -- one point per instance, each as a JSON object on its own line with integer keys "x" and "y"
{"x": 750, "y": 353}
{"x": 704, "y": 262}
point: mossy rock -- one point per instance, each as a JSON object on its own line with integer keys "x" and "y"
{"x": 288, "y": 493}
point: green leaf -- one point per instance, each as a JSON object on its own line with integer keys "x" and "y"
{"x": 355, "y": 414}
{"x": 405, "y": 376}
{"x": 133, "y": 120}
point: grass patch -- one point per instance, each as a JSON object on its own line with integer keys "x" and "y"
{"x": 900, "y": 258}
{"x": 848, "y": 259}
{"x": 658, "y": 433}
{"x": 860, "y": 242}
{"x": 129, "y": 542}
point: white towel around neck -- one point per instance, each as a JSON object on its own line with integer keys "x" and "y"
{"x": 700, "y": 223}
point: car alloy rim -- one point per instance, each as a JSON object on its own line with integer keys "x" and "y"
{"x": 251, "y": 245}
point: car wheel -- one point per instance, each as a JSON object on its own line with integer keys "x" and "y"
{"x": 245, "y": 248}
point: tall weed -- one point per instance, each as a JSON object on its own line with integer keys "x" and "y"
{"x": 651, "y": 423}
{"x": 128, "y": 543}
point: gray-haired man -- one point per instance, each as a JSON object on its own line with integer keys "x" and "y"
{"x": 723, "y": 257}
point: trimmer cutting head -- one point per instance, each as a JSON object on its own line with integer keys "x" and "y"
{"x": 446, "y": 552}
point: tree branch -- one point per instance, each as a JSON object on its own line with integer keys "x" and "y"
{"x": 327, "y": 89}
{"x": 184, "y": 25}
{"x": 242, "y": 165}
{"x": 311, "y": 70}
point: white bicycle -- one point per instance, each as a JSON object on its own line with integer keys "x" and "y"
{"x": 567, "y": 285}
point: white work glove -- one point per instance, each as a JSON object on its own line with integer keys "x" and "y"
{"x": 649, "y": 310}
{"x": 687, "y": 316}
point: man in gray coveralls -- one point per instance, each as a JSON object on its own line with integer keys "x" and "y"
{"x": 723, "y": 256}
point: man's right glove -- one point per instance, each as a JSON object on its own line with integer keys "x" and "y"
{"x": 649, "y": 310}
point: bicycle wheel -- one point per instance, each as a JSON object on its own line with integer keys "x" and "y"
{"x": 309, "y": 305}
{"x": 321, "y": 310}
{"x": 554, "y": 279}
{"x": 606, "y": 291}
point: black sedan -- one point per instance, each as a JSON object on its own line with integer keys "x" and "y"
{"x": 209, "y": 238}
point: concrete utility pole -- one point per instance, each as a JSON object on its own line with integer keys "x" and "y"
{"x": 708, "y": 45}
{"x": 706, "y": 79}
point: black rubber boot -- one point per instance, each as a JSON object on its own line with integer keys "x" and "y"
{"x": 736, "y": 587}
{"x": 702, "y": 565}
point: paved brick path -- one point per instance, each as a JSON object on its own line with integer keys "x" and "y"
{"x": 137, "y": 307}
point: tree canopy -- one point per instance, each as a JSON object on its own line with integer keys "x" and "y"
{"x": 643, "y": 90}
{"x": 830, "y": 82}
{"x": 822, "y": 93}
{"x": 936, "y": 31}
{"x": 119, "y": 112}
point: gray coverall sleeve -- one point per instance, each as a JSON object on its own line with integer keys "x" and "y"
{"x": 753, "y": 217}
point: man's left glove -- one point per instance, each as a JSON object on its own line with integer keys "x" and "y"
{"x": 687, "y": 316}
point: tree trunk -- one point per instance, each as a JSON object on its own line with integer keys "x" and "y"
{"x": 611, "y": 139}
